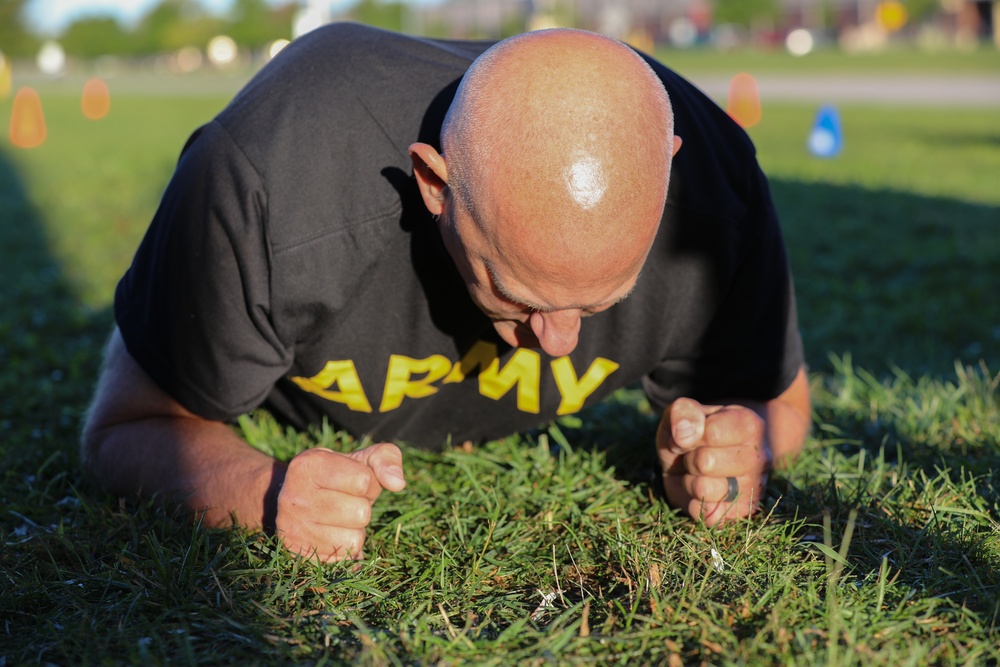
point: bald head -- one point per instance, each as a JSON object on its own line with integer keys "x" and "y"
{"x": 558, "y": 146}
{"x": 557, "y": 154}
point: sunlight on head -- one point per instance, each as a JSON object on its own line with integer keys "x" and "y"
{"x": 587, "y": 181}
{"x": 541, "y": 146}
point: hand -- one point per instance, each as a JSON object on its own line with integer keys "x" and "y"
{"x": 326, "y": 499}
{"x": 703, "y": 448}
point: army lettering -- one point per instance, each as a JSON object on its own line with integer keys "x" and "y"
{"x": 418, "y": 378}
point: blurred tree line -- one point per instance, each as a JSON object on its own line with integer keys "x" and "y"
{"x": 254, "y": 24}
{"x": 15, "y": 40}
{"x": 168, "y": 26}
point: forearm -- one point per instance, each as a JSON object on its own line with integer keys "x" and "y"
{"x": 787, "y": 419}
{"x": 199, "y": 464}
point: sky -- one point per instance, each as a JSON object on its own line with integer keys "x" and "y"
{"x": 51, "y": 16}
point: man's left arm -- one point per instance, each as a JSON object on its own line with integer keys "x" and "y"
{"x": 716, "y": 458}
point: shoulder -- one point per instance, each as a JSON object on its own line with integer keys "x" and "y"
{"x": 716, "y": 169}
{"x": 344, "y": 69}
{"x": 327, "y": 124}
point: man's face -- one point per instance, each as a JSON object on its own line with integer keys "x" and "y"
{"x": 529, "y": 308}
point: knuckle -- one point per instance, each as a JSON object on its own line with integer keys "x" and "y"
{"x": 755, "y": 425}
{"x": 700, "y": 487}
{"x": 703, "y": 460}
{"x": 681, "y": 405}
{"x": 359, "y": 513}
{"x": 715, "y": 430}
{"x": 359, "y": 482}
{"x": 309, "y": 462}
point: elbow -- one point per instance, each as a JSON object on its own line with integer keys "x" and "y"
{"x": 102, "y": 458}
{"x": 93, "y": 442}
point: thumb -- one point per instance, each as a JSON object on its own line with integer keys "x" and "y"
{"x": 386, "y": 461}
{"x": 683, "y": 426}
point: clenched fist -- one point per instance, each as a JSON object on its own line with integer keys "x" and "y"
{"x": 326, "y": 498}
{"x": 715, "y": 459}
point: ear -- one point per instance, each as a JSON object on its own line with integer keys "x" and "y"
{"x": 431, "y": 173}
{"x": 677, "y": 144}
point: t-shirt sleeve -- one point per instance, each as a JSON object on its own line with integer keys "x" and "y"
{"x": 751, "y": 348}
{"x": 194, "y": 307}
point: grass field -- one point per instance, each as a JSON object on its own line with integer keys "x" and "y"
{"x": 881, "y": 544}
{"x": 898, "y": 61}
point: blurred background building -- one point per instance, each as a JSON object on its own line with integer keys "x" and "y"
{"x": 183, "y": 36}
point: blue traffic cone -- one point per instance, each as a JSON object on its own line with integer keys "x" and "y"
{"x": 826, "y": 139}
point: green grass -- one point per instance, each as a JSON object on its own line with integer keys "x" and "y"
{"x": 894, "y": 243}
{"x": 881, "y": 544}
{"x": 899, "y": 60}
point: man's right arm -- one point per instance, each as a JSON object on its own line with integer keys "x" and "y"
{"x": 138, "y": 440}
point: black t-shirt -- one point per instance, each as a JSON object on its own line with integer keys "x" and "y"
{"x": 291, "y": 263}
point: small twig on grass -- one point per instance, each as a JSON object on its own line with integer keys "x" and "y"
{"x": 576, "y": 567}
{"x": 585, "y": 620}
{"x": 555, "y": 570}
{"x": 447, "y": 622}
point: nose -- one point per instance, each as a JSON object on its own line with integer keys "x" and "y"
{"x": 557, "y": 331}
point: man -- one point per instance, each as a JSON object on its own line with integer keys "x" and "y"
{"x": 294, "y": 262}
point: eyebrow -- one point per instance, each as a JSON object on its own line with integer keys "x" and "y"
{"x": 510, "y": 296}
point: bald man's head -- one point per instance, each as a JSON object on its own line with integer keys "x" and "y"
{"x": 561, "y": 141}
{"x": 556, "y": 160}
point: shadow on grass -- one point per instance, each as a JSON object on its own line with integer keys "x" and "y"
{"x": 892, "y": 277}
{"x": 931, "y": 509}
{"x": 966, "y": 139}
{"x": 919, "y": 460}
{"x": 50, "y": 349}
{"x": 934, "y": 553}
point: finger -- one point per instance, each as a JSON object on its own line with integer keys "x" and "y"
{"x": 716, "y": 489}
{"x": 386, "y": 461}
{"x": 324, "y": 544}
{"x": 726, "y": 461}
{"x": 679, "y": 496}
{"x": 321, "y": 469}
{"x": 686, "y": 425}
{"x": 334, "y": 509}
{"x": 748, "y": 494}
{"x": 733, "y": 425}
{"x": 303, "y": 502}
{"x": 683, "y": 425}
{"x": 699, "y": 497}
{"x": 671, "y": 463}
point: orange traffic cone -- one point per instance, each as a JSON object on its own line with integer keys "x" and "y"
{"x": 27, "y": 122}
{"x": 96, "y": 100}
{"x": 744, "y": 100}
